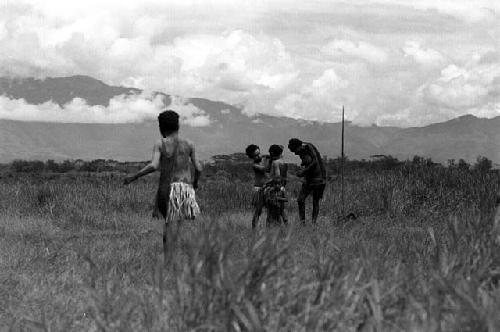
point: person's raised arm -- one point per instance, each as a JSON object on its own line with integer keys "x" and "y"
{"x": 266, "y": 167}
{"x": 197, "y": 167}
{"x": 149, "y": 168}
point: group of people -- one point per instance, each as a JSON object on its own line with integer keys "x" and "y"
{"x": 271, "y": 179}
{"x": 174, "y": 157}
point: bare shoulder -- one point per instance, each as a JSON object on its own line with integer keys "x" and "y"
{"x": 279, "y": 163}
{"x": 158, "y": 143}
{"x": 187, "y": 143}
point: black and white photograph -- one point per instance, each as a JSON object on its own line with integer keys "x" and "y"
{"x": 250, "y": 165}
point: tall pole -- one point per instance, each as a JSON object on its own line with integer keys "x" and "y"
{"x": 342, "y": 167}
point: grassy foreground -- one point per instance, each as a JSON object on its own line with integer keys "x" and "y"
{"x": 82, "y": 253}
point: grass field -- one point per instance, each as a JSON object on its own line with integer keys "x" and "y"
{"x": 82, "y": 253}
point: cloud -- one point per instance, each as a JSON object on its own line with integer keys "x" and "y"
{"x": 340, "y": 48}
{"x": 121, "y": 109}
{"x": 469, "y": 11}
{"x": 189, "y": 114}
{"x": 119, "y": 47}
{"x": 471, "y": 88}
{"x": 233, "y": 62}
{"x": 465, "y": 87}
{"x": 319, "y": 98}
{"x": 392, "y": 58}
{"x": 425, "y": 56}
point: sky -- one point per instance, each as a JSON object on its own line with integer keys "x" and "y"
{"x": 390, "y": 62}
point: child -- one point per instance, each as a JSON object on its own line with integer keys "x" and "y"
{"x": 276, "y": 186}
{"x": 260, "y": 167}
{"x": 173, "y": 157}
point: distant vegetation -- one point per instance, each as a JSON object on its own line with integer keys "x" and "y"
{"x": 236, "y": 165}
{"x": 96, "y": 165}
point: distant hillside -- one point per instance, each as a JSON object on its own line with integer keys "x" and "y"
{"x": 230, "y": 131}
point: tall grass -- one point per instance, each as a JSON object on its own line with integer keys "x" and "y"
{"x": 84, "y": 254}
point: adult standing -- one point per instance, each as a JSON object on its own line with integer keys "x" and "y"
{"x": 314, "y": 173}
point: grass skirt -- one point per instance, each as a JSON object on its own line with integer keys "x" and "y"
{"x": 182, "y": 202}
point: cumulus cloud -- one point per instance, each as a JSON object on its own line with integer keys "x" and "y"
{"x": 425, "y": 56}
{"x": 232, "y": 62}
{"x": 121, "y": 49}
{"x": 470, "y": 88}
{"x": 189, "y": 114}
{"x": 121, "y": 109}
{"x": 320, "y": 98}
{"x": 465, "y": 87}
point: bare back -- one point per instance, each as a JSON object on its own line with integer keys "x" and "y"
{"x": 259, "y": 169}
{"x": 176, "y": 159}
{"x": 279, "y": 170}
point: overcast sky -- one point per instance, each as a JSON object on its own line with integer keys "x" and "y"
{"x": 390, "y": 62}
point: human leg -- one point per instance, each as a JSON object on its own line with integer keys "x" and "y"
{"x": 317, "y": 196}
{"x": 258, "y": 204}
{"x": 256, "y": 216}
{"x": 282, "y": 206}
{"x": 160, "y": 211}
{"x": 315, "y": 211}
{"x": 301, "y": 201}
{"x": 284, "y": 215}
{"x": 165, "y": 235}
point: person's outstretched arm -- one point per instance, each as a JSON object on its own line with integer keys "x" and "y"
{"x": 307, "y": 163}
{"x": 149, "y": 168}
{"x": 314, "y": 159}
{"x": 197, "y": 167}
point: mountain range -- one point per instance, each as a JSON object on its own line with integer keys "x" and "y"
{"x": 230, "y": 130}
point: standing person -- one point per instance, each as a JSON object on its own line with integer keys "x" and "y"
{"x": 278, "y": 179}
{"x": 173, "y": 157}
{"x": 260, "y": 167}
{"x": 314, "y": 175}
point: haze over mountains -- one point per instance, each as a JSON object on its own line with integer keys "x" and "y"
{"x": 228, "y": 129}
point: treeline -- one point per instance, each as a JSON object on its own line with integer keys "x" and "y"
{"x": 237, "y": 165}
{"x": 388, "y": 162}
{"x": 97, "y": 165}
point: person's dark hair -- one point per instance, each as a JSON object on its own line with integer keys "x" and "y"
{"x": 294, "y": 143}
{"x": 168, "y": 121}
{"x": 250, "y": 150}
{"x": 275, "y": 150}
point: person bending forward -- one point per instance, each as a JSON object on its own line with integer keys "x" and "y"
{"x": 314, "y": 175}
